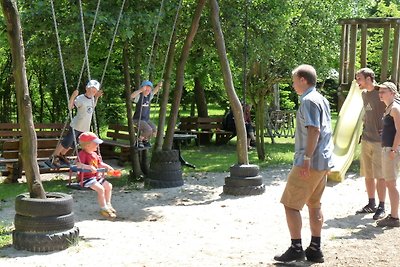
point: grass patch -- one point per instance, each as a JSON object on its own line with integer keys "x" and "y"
{"x": 5, "y": 235}
{"x": 212, "y": 158}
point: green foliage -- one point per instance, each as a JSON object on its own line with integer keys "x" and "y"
{"x": 5, "y": 235}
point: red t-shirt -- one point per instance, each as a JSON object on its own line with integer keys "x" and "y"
{"x": 92, "y": 159}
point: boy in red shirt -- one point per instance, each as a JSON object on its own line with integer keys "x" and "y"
{"x": 88, "y": 159}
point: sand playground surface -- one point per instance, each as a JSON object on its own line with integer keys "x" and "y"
{"x": 197, "y": 225}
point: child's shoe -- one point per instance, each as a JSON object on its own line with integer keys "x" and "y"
{"x": 107, "y": 213}
{"x": 112, "y": 209}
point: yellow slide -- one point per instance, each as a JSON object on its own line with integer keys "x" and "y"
{"x": 347, "y": 133}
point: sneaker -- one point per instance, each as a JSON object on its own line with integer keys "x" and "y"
{"x": 107, "y": 213}
{"x": 63, "y": 159}
{"x": 146, "y": 144}
{"x": 366, "y": 209}
{"x": 389, "y": 221}
{"x": 291, "y": 255}
{"x": 314, "y": 255}
{"x": 139, "y": 144}
{"x": 112, "y": 209}
{"x": 379, "y": 214}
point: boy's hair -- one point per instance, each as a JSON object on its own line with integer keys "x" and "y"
{"x": 307, "y": 72}
{"x": 366, "y": 72}
{"x": 84, "y": 144}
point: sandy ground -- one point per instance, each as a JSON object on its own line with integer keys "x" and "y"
{"x": 196, "y": 225}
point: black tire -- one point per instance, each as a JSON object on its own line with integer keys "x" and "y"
{"x": 165, "y": 175}
{"x": 244, "y": 181}
{"x": 165, "y": 166}
{"x": 55, "y": 204}
{"x": 45, "y": 242}
{"x": 43, "y": 224}
{"x": 244, "y": 190}
{"x": 162, "y": 184}
{"x": 165, "y": 156}
{"x": 244, "y": 170}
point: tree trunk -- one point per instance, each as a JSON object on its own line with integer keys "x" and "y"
{"x": 241, "y": 147}
{"x": 136, "y": 170}
{"x": 29, "y": 141}
{"x": 200, "y": 98}
{"x": 260, "y": 126}
{"x": 180, "y": 71}
{"x": 165, "y": 92}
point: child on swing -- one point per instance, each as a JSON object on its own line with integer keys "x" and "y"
{"x": 142, "y": 97}
{"x": 88, "y": 159}
{"x": 85, "y": 104}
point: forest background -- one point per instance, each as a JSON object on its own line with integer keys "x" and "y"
{"x": 264, "y": 39}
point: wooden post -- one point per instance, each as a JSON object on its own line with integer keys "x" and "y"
{"x": 385, "y": 53}
{"x": 363, "y": 55}
{"x": 395, "y": 57}
{"x": 352, "y": 52}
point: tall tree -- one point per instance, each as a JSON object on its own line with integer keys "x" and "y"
{"x": 29, "y": 142}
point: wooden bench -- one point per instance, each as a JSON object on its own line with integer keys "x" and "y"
{"x": 48, "y": 135}
{"x": 204, "y": 128}
{"x": 117, "y": 146}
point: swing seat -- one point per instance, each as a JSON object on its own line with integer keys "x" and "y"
{"x": 79, "y": 177}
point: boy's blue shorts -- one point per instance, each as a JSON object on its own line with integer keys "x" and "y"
{"x": 68, "y": 141}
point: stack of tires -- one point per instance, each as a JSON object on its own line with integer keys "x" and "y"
{"x": 165, "y": 170}
{"x": 43, "y": 225}
{"x": 244, "y": 180}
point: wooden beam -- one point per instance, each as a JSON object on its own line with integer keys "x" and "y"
{"x": 363, "y": 55}
{"x": 385, "y": 53}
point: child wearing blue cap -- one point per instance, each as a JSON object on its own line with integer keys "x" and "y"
{"x": 142, "y": 97}
{"x": 85, "y": 104}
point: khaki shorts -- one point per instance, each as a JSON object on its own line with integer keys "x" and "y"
{"x": 371, "y": 160}
{"x": 390, "y": 167}
{"x": 300, "y": 191}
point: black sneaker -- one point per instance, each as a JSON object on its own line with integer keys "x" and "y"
{"x": 291, "y": 255}
{"x": 139, "y": 144}
{"x": 379, "y": 214}
{"x": 63, "y": 159}
{"x": 366, "y": 209}
{"x": 146, "y": 144}
{"x": 314, "y": 255}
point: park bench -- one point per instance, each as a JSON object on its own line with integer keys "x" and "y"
{"x": 204, "y": 128}
{"x": 48, "y": 135}
{"x": 117, "y": 146}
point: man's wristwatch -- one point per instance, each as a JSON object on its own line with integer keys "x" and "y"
{"x": 306, "y": 157}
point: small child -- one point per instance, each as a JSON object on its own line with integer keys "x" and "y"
{"x": 85, "y": 104}
{"x": 89, "y": 159}
{"x": 142, "y": 97}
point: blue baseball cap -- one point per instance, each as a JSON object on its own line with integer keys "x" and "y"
{"x": 146, "y": 83}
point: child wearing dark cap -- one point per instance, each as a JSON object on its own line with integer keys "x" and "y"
{"x": 142, "y": 97}
{"x": 88, "y": 159}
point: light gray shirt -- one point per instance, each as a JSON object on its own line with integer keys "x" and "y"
{"x": 314, "y": 111}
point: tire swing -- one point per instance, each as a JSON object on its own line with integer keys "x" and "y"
{"x": 165, "y": 167}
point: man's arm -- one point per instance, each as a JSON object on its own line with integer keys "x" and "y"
{"x": 157, "y": 88}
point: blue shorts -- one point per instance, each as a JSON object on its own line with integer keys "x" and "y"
{"x": 68, "y": 141}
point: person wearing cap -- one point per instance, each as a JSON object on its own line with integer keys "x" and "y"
{"x": 142, "y": 97}
{"x": 390, "y": 150}
{"x": 85, "y": 104}
{"x": 88, "y": 159}
{"x": 371, "y": 150}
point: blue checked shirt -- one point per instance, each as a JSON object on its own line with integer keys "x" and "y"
{"x": 314, "y": 111}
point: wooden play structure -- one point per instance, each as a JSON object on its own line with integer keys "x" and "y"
{"x": 351, "y": 29}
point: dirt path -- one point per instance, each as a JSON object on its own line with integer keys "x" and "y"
{"x": 194, "y": 225}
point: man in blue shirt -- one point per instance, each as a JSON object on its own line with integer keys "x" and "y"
{"x": 312, "y": 161}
